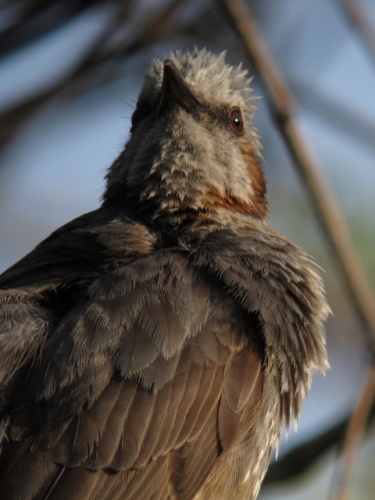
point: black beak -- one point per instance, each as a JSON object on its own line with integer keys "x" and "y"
{"x": 175, "y": 89}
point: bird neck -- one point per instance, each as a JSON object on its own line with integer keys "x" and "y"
{"x": 174, "y": 180}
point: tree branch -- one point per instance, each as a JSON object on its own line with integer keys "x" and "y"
{"x": 284, "y": 109}
{"x": 300, "y": 458}
{"x": 353, "y": 436}
{"x": 358, "y": 16}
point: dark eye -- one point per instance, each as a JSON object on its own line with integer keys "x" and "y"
{"x": 235, "y": 120}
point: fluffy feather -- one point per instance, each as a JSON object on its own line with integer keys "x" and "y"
{"x": 153, "y": 348}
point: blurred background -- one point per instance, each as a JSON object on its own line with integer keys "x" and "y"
{"x": 70, "y": 72}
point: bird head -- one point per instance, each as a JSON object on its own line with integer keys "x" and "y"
{"x": 193, "y": 146}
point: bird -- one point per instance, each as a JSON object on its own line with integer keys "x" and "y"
{"x": 153, "y": 348}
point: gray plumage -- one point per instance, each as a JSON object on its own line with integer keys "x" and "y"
{"x": 153, "y": 348}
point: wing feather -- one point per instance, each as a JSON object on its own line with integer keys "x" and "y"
{"x": 139, "y": 388}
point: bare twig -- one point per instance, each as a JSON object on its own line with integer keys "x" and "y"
{"x": 100, "y": 64}
{"x": 301, "y": 457}
{"x": 356, "y": 123}
{"x": 36, "y": 18}
{"x": 284, "y": 109}
{"x": 357, "y": 14}
{"x": 13, "y": 118}
{"x": 354, "y": 434}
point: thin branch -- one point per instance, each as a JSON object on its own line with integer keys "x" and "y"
{"x": 35, "y": 19}
{"x": 284, "y": 110}
{"x": 101, "y": 63}
{"x": 343, "y": 115}
{"x": 301, "y": 457}
{"x": 357, "y": 14}
{"x": 12, "y": 119}
{"x": 354, "y": 435}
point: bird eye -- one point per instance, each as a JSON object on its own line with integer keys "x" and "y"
{"x": 236, "y": 121}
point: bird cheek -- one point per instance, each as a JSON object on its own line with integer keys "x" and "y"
{"x": 258, "y": 183}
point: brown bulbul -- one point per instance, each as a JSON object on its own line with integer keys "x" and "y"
{"x": 152, "y": 349}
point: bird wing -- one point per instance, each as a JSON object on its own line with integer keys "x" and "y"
{"x": 134, "y": 392}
